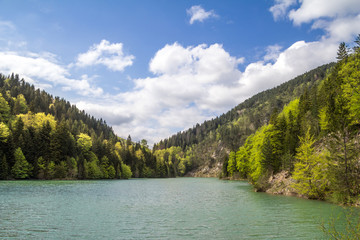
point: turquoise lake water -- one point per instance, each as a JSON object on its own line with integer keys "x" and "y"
{"x": 181, "y": 208}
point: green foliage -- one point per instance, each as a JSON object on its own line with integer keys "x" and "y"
{"x": 351, "y": 230}
{"x": 20, "y": 105}
{"x": 60, "y": 170}
{"x": 126, "y": 171}
{"x": 61, "y": 141}
{"x": 342, "y": 52}
{"x": 21, "y": 169}
{"x": 4, "y": 168}
{"x": 93, "y": 170}
{"x": 311, "y": 170}
{"x": 210, "y": 142}
{"x": 4, "y": 132}
{"x": 231, "y": 168}
{"x": 84, "y": 142}
{"x": 4, "y": 109}
{"x": 37, "y": 120}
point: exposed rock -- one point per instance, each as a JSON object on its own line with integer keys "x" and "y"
{"x": 281, "y": 183}
{"x": 206, "y": 171}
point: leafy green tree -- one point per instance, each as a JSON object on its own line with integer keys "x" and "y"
{"x": 84, "y": 142}
{"x": 60, "y": 170}
{"x": 4, "y": 132}
{"x": 21, "y": 168}
{"x": 20, "y": 105}
{"x": 94, "y": 171}
{"x": 72, "y": 167}
{"x": 242, "y": 161}
{"x": 104, "y": 165}
{"x": 4, "y": 109}
{"x": 126, "y": 171}
{"x": 111, "y": 172}
{"x": 311, "y": 169}
{"x": 231, "y": 168}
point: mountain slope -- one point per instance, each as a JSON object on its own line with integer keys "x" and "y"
{"x": 45, "y": 137}
{"x": 313, "y": 141}
{"x": 201, "y": 150}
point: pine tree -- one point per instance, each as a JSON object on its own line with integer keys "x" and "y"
{"x": 357, "y": 44}
{"x": 342, "y": 52}
{"x": 3, "y": 168}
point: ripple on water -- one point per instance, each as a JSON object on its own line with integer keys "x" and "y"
{"x": 182, "y": 208}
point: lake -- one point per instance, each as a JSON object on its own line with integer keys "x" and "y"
{"x": 181, "y": 208}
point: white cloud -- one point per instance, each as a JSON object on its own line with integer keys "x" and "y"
{"x": 280, "y": 8}
{"x": 197, "y": 13}
{"x": 340, "y": 29}
{"x": 105, "y": 53}
{"x": 41, "y": 70}
{"x": 272, "y": 52}
{"x": 199, "y": 82}
{"x": 314, "y": 9}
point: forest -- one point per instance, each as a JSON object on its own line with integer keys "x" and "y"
{"x": 307, "y": 128}
{"x": 208, "y": 144}
{"x": 42, "y": 137}
{"x": 314, "y": 138}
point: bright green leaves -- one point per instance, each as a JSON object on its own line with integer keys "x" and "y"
{"x": 84, "y": 142}
{"x": 4, "y": 132}
{"x": 21, "y": 168}
{"x": 4, "y": 109}
{"x": 126, "y": 171}
{"x": 350, "y": 74}
{"x": 20, "y": 105}
{"x": 311, "y": 169}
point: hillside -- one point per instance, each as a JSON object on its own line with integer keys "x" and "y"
{"x": 201, "y": 150}
{"x": 42, "y": 137}
{"x": 312, "y": 144}
{"x": 299, "y": 138}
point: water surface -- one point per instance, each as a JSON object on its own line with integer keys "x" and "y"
{"x": 181, "y": 208}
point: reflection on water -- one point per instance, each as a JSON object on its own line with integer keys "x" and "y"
{"x": 182, "y": 208}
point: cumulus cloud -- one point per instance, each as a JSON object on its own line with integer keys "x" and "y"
{"x": 280, "y": 8}
{"x": 339, "y": 19}
{"x": 314, "y": 9}
{"x": 41, "y": 67}
{"x": 105, "y": 53}
{"x": 197, "y": 13}
{"x": 195, "y": 83}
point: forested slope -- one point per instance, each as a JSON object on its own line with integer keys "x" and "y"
{"x": 201, "y": 150}
{"x": 45, "y": 137}
{"x": 314, "y": 140}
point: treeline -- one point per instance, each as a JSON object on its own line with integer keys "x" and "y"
{"x": 314, "y": 138}
{"x": 42, "y": 137}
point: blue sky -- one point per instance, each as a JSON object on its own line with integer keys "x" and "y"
{"x": 151, "y": 68}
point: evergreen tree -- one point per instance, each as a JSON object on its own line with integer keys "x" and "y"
{"x": 4, "y": 168}
{"x": 342, "y": 52}
{"x": 357, "y": 44}
{"x": 21, "y": 168}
